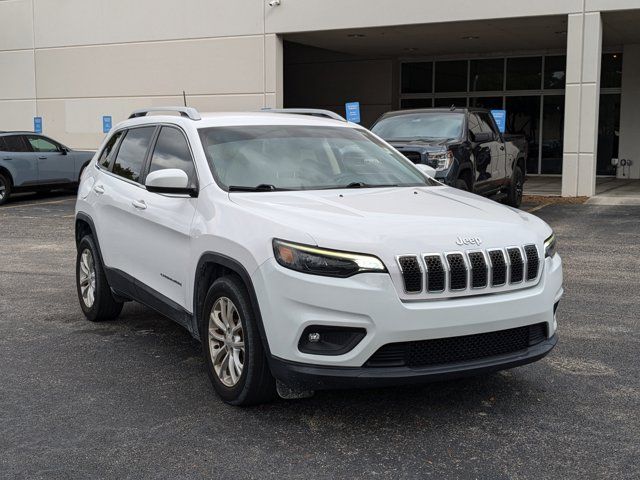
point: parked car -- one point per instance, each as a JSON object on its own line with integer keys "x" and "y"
{"x": 305, "y": 253}
{"x": 465, "y": 147}
{"x": 32, "y": 162}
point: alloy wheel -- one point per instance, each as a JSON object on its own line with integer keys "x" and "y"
{"x": 3, "y": 189}
{"x": 226, "y": 341}
{"x": 87, "y": 278}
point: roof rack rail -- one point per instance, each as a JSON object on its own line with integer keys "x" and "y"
{"x": 314, "y": 112}
{"x": 188, "y": 112}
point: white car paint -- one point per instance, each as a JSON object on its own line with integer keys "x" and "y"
{"x": 171, "y": 233}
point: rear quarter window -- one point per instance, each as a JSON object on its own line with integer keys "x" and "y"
{"x": 109, "y": 150}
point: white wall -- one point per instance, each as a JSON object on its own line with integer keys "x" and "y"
{"x": 629, "y": 112}
{"x": 89, "y": 58}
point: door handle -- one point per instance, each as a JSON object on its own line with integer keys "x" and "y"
{"x": 99, "y": 189}
{"x": 42, "y": 157}
{"x": 7, "y": 158}
{"x": 139, "y": 204}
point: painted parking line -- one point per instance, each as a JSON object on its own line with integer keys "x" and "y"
{"x": 539, "y": 207}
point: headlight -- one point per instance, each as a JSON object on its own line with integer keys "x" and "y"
{"x": 320, "y": 261}
{"x": 441, "y": 160}
{"x": 550, "y": 246}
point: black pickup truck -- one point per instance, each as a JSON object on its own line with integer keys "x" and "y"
{"x": 465, "y": 147}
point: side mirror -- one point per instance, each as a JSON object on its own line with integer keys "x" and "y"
{"x": 64, "y": 150}
{"x": 483, "y": 137}
{"x": 426, "y": 169}
{"x": 170, "y": 180}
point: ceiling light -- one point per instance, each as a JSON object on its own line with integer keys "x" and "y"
{"x": 561, "y": 32}
{"x": 356, "y": 35}
{"x": 411, "y": 49}
{"x": 470, "y": 37}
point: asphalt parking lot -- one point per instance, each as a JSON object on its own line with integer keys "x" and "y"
{"x": 131, "y": 399}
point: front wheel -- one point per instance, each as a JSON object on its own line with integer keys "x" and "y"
{"x": 94, "y": 293}
{"x": 516, "y": 188}
{"x": 234, "y": 355}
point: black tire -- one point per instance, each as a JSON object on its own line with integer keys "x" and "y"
{"x": 255, "y": 384}
{"x": 5, "y": 189}
{"x": 514, "y": 194}
{"x": 104, "y": 306}
{"x": 461, "y": 184}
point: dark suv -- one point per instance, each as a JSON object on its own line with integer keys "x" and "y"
{"x": 465, "y": 147}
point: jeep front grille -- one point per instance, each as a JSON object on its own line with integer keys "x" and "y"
{"x": 471, "y": 271}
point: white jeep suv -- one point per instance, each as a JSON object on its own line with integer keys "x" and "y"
{"x": 306, "y": 253}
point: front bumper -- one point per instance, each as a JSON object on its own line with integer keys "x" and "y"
{"x": 291, "y": 301}
{"x": 322, "y": 377}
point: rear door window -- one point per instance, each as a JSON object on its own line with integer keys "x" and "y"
{"x": 172, "y": 151}
{"x": 108, "y": 152}
{"x": 132, "y": 153}
{"x": 488, "y": 124}
{"x": 40, "y": 144}
{"x": 17, "y": 143}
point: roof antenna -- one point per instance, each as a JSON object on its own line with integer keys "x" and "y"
{"x": 184, "y": 98}
{"x": 452, "y": 107}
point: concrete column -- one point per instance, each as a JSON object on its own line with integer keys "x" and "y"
{"x": 582, "y": 102}
{"x": 629, "y": 113}
{"x": 273, "y": 71}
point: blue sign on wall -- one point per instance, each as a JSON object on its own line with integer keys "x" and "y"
{"x": 37, "y": 124}
{"x": 353, "y": 112}
{"x": 106, "y": 123}
{"x": 500, "y": 117}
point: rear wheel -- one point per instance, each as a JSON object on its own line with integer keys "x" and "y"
{"x": 235, "y": 359}
{"x": 516, "y": 188}
{"x": 5, "y": 189}
{"x": 94, "y": 293}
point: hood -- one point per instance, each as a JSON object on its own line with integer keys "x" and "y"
{"x": 430, "y": 145}
{"x": 396, "y": 221}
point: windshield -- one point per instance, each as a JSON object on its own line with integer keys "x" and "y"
{"x": 419, "y": 126}
{"x": 285, "y": 157}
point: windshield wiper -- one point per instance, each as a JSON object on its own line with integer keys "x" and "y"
{"x": 366, "y": 185}
{"x": 263, "y": 187}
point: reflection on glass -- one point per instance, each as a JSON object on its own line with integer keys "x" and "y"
{"x": 451, "y": 76}
{"x": 524, "y": 73}
{"x": 486, "y": 75}
{"x": 552, "y": 134}
{"x": 490, "y": 103}
{"x": 417, "y": 77}
{"x": 415, "y": 103}
{"x": 611, "y": 72}
{"x": 458, "y": 102}
{"x": 608, "y": 133}
{"x": 554, "y": 71}
{"x": 523, "y": 118}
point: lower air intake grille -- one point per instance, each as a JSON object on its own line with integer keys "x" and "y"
{"x": 411, "y": 274}
{"x": 435, "y": 273}
{"x": 533, "y": 262}
{"x": 458, "y": 349}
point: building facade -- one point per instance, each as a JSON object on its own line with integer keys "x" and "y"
{"x": 566, "y": 72}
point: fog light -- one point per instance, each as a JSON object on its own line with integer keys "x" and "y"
{"x": 329, "y": 340}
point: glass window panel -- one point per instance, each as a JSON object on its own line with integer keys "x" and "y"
{"x": 552, "y": 134}
{"x": 417, "y": 77}
{"x": 459, "y": 102}
{"x": 524, "y": 73}
{"x": 554, "y": 71}
{"x": 611, "y": 72}
{"x": 490, "y": 103}
{"x": 132, "y": 151}
{"x": 106, "y": 157}
{"x": 523, "y": 118}
{"x": 451, "y": 76}
{"x": 17, "y": 143}
{"x": 486, "y": 75}
{"x": 608, "y": 133}
{"x": 416, "y": 103}
{"x": 40, "y": 144}
{"x": 172, "y": 151}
